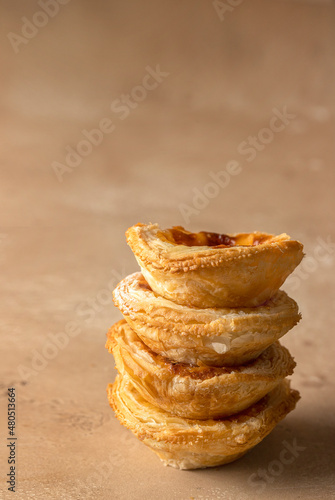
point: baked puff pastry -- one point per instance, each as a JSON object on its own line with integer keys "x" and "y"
{"x": 199, "y": 392}
{"x": 217, "y": 337}
{"x": 210, "y": 269}
{"x": 192, "y": 444}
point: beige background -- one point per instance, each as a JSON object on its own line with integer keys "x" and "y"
{"x": 62, "y": 243}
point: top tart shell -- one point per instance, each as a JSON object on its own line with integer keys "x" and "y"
{"x": 213, "y": 270}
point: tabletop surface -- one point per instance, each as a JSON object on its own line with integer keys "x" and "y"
{"x": 114, "y": 113}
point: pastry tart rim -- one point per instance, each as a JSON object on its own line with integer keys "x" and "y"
{"x": 280, "y": 306}
{"x": 155, "y": 254}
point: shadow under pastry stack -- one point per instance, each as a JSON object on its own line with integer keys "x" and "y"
{"x": 202, "y": 376}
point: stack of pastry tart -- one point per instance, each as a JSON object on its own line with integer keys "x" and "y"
{"x": 202, "y": 375}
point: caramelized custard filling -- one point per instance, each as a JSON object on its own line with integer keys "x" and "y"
{"x": 180, "y": 236}
{"x": 143, "y": 285}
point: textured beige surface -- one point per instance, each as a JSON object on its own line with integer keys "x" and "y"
{"x": 62, "y": 244}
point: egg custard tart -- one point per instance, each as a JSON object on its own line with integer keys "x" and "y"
{"x": 192, "y": 444}
{"x": 212, "y": 336}
{"x": 196, "y": 392}
{"x": 207, "y": 269}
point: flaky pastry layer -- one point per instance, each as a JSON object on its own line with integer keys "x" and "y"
{"x": 197, "y": 392}
{"x": 191, "y": 444}
{"x": 213, "y": 336}
{"x": 212, "y": 270}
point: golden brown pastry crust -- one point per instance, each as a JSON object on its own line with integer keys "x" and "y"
{"x": 196, "y": 392}
{"x": 218, "y": 337}
{"x": 242, "y": 270}
{"x": 191, "y": 444}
